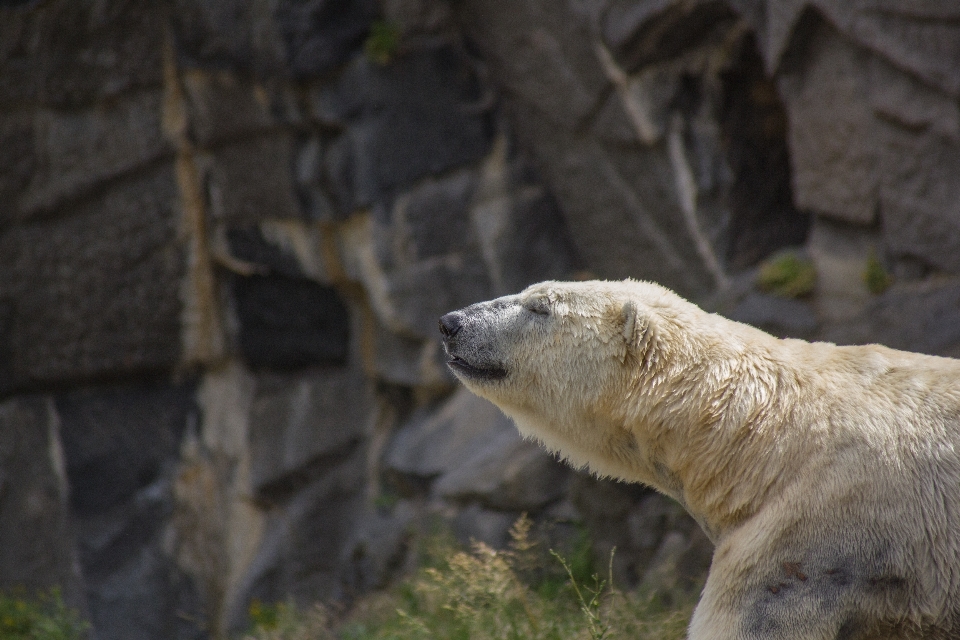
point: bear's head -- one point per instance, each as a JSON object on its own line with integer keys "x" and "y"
{"x": 563, "y": 360}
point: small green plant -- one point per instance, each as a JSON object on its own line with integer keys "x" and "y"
{"x": 382, "y": 43}
{"x": 488, "y": 594}
{"x": 875, "y": 276}
{"x": 599, "y": 627}
{"x": 40, "y": 617}
{"x": 787, "y": 275}
{"x": 282, "y": 621}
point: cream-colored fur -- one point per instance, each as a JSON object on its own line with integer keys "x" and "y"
{"x": 828, "y": 477}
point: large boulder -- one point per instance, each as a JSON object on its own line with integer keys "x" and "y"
{"x": 96, "y": 293}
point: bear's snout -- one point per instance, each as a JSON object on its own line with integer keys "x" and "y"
{"x": 451, "y": 323}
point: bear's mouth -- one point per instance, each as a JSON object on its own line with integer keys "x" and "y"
{"x": 461, "y": 366}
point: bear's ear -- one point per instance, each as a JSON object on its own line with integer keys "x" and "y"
{"x": 637, "y": 332}
{"x": 628, "y": 315}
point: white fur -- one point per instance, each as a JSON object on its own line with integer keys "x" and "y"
{"x": 844, "y": 461}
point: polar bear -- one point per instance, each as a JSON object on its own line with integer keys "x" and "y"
{"x": 828, "y": 477}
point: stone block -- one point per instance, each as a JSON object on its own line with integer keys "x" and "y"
{"x": 305, "y": 548}
{"x": 252, "y": 180}
{"x": 920, "y": 197}
{"x": 920, "y": 37}
{"x": 420, "y": 294}
{"x": 302, "y": 424}
{"x": 321, "y": 35}
{"x": 428, "y": 221}
{"x": 418, "y": 17}
{"x": 783, "y": 317}
{"x": 477, "y": 524}
{"x": 78, "y": 152}
{"x": 410, "y": 362}
{"x": 119, "y": 440}
{"x": 508, "y": 473}
{"x": 96, "y": 294}
{"x": 433, "y": 444}
{"x": 627, "y": 217}
{"x": 420, "y": 258}
{"x": 380, "y": 546}
{"x": 918, "y": 316}
{"x": 146, "y": 598}
{"x": 36, "y": 529}
{"x": 289, "y": 322}
{"x": 70, "y": 54}
{"x": 832, "y": 130}
{"x": 418, "y": 116}
{"x": 521, "y": 232}
{"x": 642, "y": 33}
{"x": 19, "y": 157}
{"x": 121, "y": 445}
{"x": 542, "y": 52}
{"x": 222, "y": 106}
{"x": 239, "y": 35}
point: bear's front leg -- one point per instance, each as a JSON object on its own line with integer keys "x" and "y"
{"x": 790, "y": 607}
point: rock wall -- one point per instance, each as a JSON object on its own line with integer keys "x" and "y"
{"x": 227, "y": 230}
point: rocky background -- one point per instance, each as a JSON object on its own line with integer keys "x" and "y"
{"x": 227, "y": 230}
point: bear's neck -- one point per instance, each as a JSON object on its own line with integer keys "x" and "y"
{"x": 718, "y": 440}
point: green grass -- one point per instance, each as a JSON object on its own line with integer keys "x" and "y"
{"x": 875, "y": 276}
{"x": 383, "y": 42}
{"x": 787, "y": 275}
{"x": 484, "y": 594}
{"x": 42, "y": 616}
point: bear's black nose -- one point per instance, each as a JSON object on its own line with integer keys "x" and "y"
{"x": 450, "y": 324}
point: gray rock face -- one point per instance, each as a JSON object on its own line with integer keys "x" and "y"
{"x": 76, "y": 152}
{"x": 236, "y": 171}
{"x": 427, "y": 256}
{"x": 108, "y": 461}
{"x": 305, "y": 548}
{"x": 918, "y": 317}
{"x": 223, "y": 107}
{"x": 831, "y": 139}
{"x": 874, "y": 130}
{"x": 121, "y": 445}
{"x": 36, "y": 530}
{"x": 302, "y": 424}
{"x": 783, "y": 317}
{"x": 667, "y": 154}
{"x": 95, "y": 293}
{"x": 73, "y": 53}
{"x": 419, "y": 116}
{"x": 643, "y": 33}
{"x": 248, "y": 195}
{"x": 227, "y": 34}
{"x": 507, "y": 474}
{"x": 290, "y": 322}
{"x": 321, "y": 34}
{"x": 432, "y": 445}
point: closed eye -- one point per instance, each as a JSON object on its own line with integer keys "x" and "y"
{"x": 539, "y": 306}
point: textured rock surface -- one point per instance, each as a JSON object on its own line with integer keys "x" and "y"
{"x": 37, "y": 550}
{"x": 227, "y": 229}
{"x": 96, "y": 293}
{"x": 121, "y": 446}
